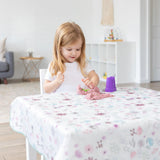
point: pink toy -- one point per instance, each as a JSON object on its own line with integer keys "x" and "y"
{"x": 93, "y": 94}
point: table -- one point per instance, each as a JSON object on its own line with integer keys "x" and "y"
{"x": 66, "y": 126}
{"x": 31, "y": 65}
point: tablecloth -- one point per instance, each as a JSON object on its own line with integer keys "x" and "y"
{"x": 66, "y": 126}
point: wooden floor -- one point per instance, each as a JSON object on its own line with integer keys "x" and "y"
{"x": 12, "y": 144}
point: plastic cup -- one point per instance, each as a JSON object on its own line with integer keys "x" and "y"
{"x": 110, "y": 84}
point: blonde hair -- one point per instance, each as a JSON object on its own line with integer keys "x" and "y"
{"x": 67, "y": 33}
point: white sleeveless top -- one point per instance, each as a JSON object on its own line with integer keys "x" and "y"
{"x": 72, "y": 77}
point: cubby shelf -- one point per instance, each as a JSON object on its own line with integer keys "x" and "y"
{"x": 114, "y": 58}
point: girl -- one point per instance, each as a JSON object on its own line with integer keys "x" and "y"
{"x": 68, "y": 69}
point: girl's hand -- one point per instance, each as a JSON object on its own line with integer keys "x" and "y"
{"x": 60, "y": 77}
{"x": 88, "y": 83}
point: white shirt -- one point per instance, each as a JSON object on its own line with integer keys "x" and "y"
{"x": 72, "y": 77}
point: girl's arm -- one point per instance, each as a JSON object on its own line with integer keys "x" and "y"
{"x": 51, "y": 86}
{"x": 92, "y": 79}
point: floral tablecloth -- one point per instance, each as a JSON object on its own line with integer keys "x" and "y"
{"x": 66, "y": 126}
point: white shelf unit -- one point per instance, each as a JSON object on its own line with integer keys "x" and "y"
{"x": 115, "y": 58}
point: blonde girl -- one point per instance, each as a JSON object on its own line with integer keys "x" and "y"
{"x": 69, "y": 68}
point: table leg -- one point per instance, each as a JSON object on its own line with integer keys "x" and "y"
{"x": 31, "y": 153}
{"x": 27, "y": 70}
{"x": 35, "y": 66}
{"x": 30, "y": 66}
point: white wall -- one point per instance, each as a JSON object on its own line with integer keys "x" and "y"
{"x": 127, "y": 18}
{"x": 144, "y": 42}
{"x": 31, "y": 24}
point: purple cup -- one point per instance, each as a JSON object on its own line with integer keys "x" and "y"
{"x": 110, "y": 84}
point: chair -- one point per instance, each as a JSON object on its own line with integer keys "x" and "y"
{"x": 31, "y": 153}
{"x": 42, "y": 73}
{"x": 7, "y": 68}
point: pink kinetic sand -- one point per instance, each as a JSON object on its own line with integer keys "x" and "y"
{"x": 93, "y": 94}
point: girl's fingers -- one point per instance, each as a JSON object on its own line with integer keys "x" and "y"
{"x": 88, "y": 83}
{"x": 84, "y": 80}
{"x": 91, "y": 86}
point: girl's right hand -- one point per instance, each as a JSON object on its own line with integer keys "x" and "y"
{"x": 88, "y": 83}
{"x": 60, "y": 77}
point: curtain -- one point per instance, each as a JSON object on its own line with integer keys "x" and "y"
{"x": 107, "y": 13}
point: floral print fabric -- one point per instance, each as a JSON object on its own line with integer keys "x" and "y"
{"x": 65, "y": 126}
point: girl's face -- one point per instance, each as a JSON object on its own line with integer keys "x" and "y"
{"x": 72, "y": 51}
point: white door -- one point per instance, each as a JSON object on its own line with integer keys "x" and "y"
{"x": 155, "y": 40}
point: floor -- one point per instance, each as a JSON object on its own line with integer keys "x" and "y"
{"x": 12, "y": 144}
{"x": 11, "y": 91}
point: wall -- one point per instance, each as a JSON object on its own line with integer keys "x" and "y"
{"x": 127, "y": 18}
{"x": 31, "y": 24}
{"x": 144, "y": 42}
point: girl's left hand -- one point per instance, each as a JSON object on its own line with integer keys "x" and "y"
{"x": 88, "y": 83}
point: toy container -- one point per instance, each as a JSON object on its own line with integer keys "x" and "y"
{"x": 110, "y": 84}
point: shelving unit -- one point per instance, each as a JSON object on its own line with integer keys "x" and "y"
{"x": 115, "y": 58}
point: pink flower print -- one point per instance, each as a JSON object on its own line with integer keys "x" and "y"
{"x": 90, "y": 158}
{"x": 88, "y": 149}
{"x": 56, "y": 141}
{"x": 139, "y": 130}
{"x": 133, "y": 154}
{"x": 66, "y": 99}
{"x": 37, "y": 136}
{"x": 100, "y": 114}
{"x": 61, "y": 114}
{"x": 139, "y": 104}
{"x": 76, "y": 145}
{"x": 35, "y": 99}
{"x": 104, "y": 137}
{"x": 141, "y": 143}
{"x": 154, "y": 150}
{"x": 116, "y": 126}
{"x": 108, "y": 122}
{"x": 66, "y": 153}
{"x": 78, "y": 154}
{"x": 130, "y": 92}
